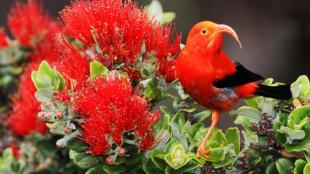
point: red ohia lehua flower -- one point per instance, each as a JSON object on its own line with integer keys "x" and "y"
{"x": 22, "y": 120}
{"x": 15, "y": 151}
{"x": 29, "y": 24}
{"x": 114, "y": 31}
{"x": 159, "y": 44}
{"x": 72, "y": 63}
{"x": 3, "y": 39}
{"x": 32, "y": 28}
{"x": 109, "y": 109}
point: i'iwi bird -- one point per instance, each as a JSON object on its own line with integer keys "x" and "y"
{"x": 214, "y": 80}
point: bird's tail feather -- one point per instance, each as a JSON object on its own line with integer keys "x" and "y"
{"x": 282, "y": 92}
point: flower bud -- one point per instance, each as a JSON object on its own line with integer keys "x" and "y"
{"x": 59, "y": 114}
{"x": 47, "y": 104}
{"x": 75, "y": 109}
{"x": 67, "y": 130}
{"x": 109, "y": 161}
{"x": 44, "y": 116}
{"x": 121, "y": 151}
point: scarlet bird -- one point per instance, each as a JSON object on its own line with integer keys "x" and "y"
{"x": 212, "y": 79}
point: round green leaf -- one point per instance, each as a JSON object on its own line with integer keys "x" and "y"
{"x": 44, "y": 95}
{"x": 284, "y": 166}
{"x": 299, "y": 166}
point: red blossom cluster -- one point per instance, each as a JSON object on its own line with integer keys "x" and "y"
{"x": 73, "y": 64}
{"x": 3, "y": 38}
{"x": 117, "y": 28}
{"x": 33, "y": 29}
{"x": 110, "y": 109}
{"x": 23, "y": 120}
{"x": 159, "y": 43}
{"x": 114, "y": 32}
{"x": 15, "y": 151}
{"x": 28, "y": 23}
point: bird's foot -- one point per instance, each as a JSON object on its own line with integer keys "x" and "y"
{"x": 202, "y": 152}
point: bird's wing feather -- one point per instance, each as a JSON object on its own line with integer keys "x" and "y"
{"x": 240, "y": 77}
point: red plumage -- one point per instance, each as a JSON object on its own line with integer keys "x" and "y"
{"x": 202, "y": 63}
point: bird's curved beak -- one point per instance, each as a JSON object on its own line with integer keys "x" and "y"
{"x": 221, "y": 28}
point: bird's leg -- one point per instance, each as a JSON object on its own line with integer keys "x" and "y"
{"x": 216, "y": 116}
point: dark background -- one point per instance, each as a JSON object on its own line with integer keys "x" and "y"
{"x": 275, "y": 34}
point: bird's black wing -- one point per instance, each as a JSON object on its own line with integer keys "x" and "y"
{"x": 240, "y": 77}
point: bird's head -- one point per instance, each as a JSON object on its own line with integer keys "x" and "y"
{"x": 209, "y": 35}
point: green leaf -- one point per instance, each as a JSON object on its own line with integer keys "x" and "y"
{"x": 292, "y": 134}
{"x": 46, "y": 77}
{"x": 199, "y": 135}
{"x": 190, "y": 166}
{"x": 194, "y": 129}
{"x": 34, "y": 79}
{"x": 167, "y": 18}
{"x": 95, "y": 170}
{"x": 8, "y": 164}
{"x": 281, "y": 137}
{"x": 188, "y": 110}
{"x": 169, "y": 170}
{"x": 97, "y": 69}
{"x": 251, "y": 113}
{"x": 77, "y": 145}
{"x": 44, "y": 68}
{"x": 233, "y": 137}
{"x": 83, "y": 160}
{"x": 307, "y": 169}
{"x": 165, "y": 122}
{"x": 44, "y": 95}
{"x": 268, "y": 108}
{"x": 178, "y": 132}
{"x": 299, "y": 166}
{"x": 152, "y": 91}
{"x": 114, "y": 169}
{"x": 252, "y": 102}
{"x": 64, "y": 140}
{"x": 301, "y": 88}
{"x": 201, "y": 116}
{"x": 158, "y": 159}
{"x": 135, "y": 159}
{"x": 268, "y": 81}
{"x": 226, "y": 162}
{"x": 43, "y": 80}
{"x": 283, "y": 166}
{"x": 57, "y": 128}
{"x": 298, "y": 115}
{"x": 179, "y": 119}
{"x": 217, "y": 139}
{"x": 62, "y": 82}
{"x": 217, "y": 155}
{"x": 280, "y": 120}
{"x": 155, "y": 10}
{"x": 163, "y": 138}
{"x": 244, "y": 122}
{"x": 150, "y": 168}
{"x": 177, "y": 158}
{"x": 301, "y": 145}
{"x": 148, "y": 70}
{"x": 272, "y": 169}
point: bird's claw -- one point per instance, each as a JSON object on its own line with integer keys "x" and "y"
{"x": 202, "y": 152}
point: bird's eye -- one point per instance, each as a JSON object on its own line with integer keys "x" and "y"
{"x": 204, "y": 31}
